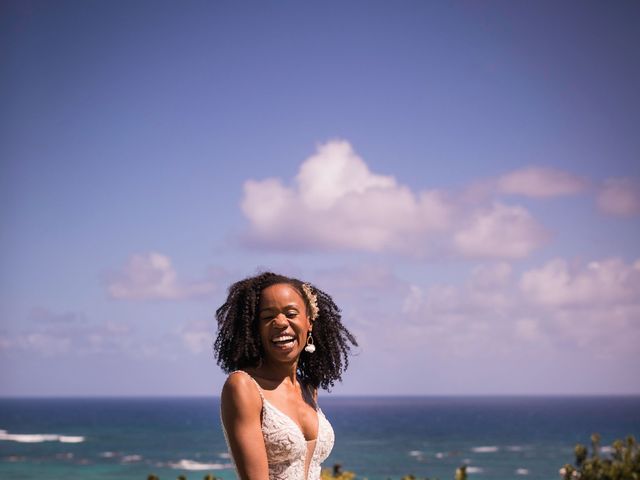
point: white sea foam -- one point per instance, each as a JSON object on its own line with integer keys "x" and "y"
{"x": 108, "y": 454}
{"x": 515, "y": 448}
{"x": 38, "y": 437}
{"x": 132, "y": 458}
{"x": 28, "y": 438}
{"x": 440, "y": 455}
{"x": 522, "y": 471}
{"x": 415, "y": 453}
{"x": 192, "y": 465}
{"x": 471, "y": 469}
{"x": 224, "y": 455}
{"x": 487, "y": 449}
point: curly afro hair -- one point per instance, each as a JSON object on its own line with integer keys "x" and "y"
{"x": 238, "y": 344}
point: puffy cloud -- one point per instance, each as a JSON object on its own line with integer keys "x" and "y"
{"x": 620, "y": 197}
{"x": 488, "y": 290}
{"x": 502, "y": 231}
{"x": 151, "y": 276}
{"x": 559, "y": 284}
{"x": 334, "y": 172}
{"x": 450, "y": 321}
{"x": 554, "y": 308}
{"x": 541, "y": 182}
{"x": 336, "y": 202}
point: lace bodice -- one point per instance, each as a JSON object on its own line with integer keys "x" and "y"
{"x": 286, "y": 446}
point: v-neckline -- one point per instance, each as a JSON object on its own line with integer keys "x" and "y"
{"x": 298, "y": 427}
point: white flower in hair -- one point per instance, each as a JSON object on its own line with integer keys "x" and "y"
{"x": 313, "y": 301}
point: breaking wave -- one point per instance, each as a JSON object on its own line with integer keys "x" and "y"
{"x": 487, "y": 449}
{"x": 193, "y": 465}
{"x": 39, "y": 437}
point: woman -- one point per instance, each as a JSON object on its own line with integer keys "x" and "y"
{"x": 281, "y": 339}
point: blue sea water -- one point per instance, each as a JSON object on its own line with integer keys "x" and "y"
{"x": 500, "y": 438}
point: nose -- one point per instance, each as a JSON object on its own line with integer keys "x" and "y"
{"x": 280, "y": 320}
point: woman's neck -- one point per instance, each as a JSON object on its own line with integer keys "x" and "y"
{"x": 278, "y": 372}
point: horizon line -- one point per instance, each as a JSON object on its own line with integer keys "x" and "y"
{"x": 325, "y": 396}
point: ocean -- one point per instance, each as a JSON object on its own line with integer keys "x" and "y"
{"x": 500, "y": 438}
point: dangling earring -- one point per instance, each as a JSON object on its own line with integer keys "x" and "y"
{"x": 310, "y": 347}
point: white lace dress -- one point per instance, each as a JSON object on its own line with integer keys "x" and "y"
{"x": 287, "y": 450}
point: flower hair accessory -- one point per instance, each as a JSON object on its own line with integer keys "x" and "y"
{"x": 312, "y": 299}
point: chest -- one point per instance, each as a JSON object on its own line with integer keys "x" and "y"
{"x": 298, "y": 412}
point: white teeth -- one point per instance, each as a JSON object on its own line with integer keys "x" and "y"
{"x": 282, "y": 338}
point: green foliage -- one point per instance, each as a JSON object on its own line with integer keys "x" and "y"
{"x": 624, "y": 463}
{"x": 336, "y": 474}
{"x": 581, "y": 454}
{"x": 461, "y": 473}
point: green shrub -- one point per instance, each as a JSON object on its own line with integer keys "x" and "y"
{"x": 623, "y": 464}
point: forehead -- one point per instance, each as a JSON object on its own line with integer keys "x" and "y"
{"x": 280, "y": 294}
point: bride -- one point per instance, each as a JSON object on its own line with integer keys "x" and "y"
{"x": 280, "y": 339}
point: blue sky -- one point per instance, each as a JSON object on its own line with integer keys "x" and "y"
{"x": 462, "y": 177}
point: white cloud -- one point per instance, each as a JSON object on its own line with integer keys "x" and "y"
{"x": 487, "y": 290}
{"x": 336, "y": 202}
{"x": 501, "y": 231}
{"x": 334, "y": 172}
{"x": 555, "y": 308}
{"x": 151, "y": 276}
{"x": 620, "y": 197}
{"x": 541, "y": 182}
{"x": 560, "y": 284}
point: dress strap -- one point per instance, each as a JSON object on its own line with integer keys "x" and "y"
{"x": 254, "y": 381}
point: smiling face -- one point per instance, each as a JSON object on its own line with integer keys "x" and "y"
{"x": 283, "y": 323}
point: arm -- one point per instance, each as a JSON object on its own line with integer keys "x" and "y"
{"x": 241, "y": 415}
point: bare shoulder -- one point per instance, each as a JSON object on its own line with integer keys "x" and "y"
{"x": 240, "y": 395}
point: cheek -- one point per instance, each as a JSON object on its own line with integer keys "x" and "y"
{"x": 261, "y": 331}
{"x": 306, "y": 327}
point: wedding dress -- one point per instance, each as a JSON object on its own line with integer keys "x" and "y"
{"x": 289, "y": 454}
